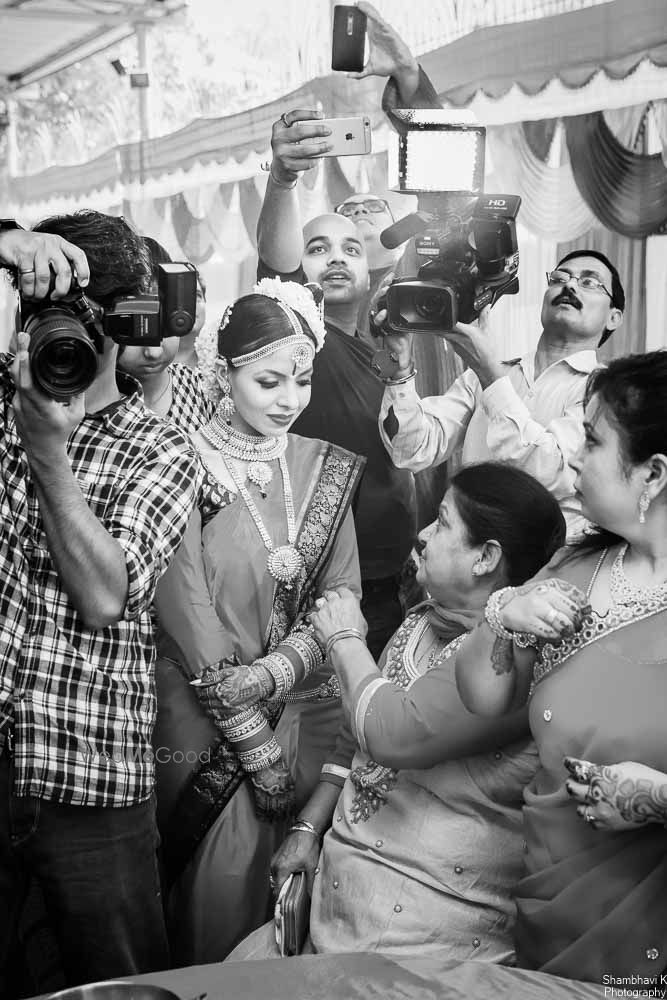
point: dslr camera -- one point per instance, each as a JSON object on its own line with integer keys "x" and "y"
{"x": 67, "y": 336}
{"x": 467, "y": 239}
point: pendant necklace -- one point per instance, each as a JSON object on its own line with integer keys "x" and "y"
{"x": 285, "y": 562}
{"x": 254, "y": 451}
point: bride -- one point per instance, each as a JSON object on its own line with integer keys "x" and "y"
{"x": 248, "y": 710}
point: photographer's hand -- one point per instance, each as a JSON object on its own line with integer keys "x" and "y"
{"x": 39, "y": 256}
{"x": 298, "y": 142}
{"x": 473, "y": 344}
{"x": 398, "y": 344}
{"x": 90, "y": 563}
{"x": 388, "y": 55}
{"x": 44, "y": 425}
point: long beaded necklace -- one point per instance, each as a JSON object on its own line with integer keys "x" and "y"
{"x": 256, "y": 451}
{"x": 285, "y": 562}
{"x": 624, "y": 592}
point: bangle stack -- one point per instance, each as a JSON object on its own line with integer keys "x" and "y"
{"x": 494, "y": 606}
{"x": 342, "y": 633}
{"x": 303, "y": 826}
{"x": 492, "y": 612}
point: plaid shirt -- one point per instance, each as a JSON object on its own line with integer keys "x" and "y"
{"x": 82, "y": 701}
{"x": 190, "y": 406}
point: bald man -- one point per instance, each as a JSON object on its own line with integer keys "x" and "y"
{"x": 346, "y": 396}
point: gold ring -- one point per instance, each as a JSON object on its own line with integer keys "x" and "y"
{"x": 283, "y": 119}
{"x": 28, "y": 270}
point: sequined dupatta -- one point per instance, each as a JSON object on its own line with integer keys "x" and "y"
{"x": 334, "y": 477}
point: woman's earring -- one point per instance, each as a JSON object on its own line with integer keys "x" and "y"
{"x": 226, "y": 404}
{"x": 644, "y": 504}
{"x": 477, "y": 569}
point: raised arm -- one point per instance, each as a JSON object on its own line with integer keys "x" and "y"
{"x": 298, "y": 142}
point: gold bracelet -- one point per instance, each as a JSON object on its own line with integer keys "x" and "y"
{"x": 342, "y": 633}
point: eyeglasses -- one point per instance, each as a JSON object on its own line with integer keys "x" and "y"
{"x": 585, "y": 281}
{"x": 374, "y": 205}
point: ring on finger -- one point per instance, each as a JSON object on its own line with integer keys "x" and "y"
{"x": 320, "y": 602}
{"x": 27, "y": 270}
{"x": 588, "y": 816}
{"x": 283, "y": 119}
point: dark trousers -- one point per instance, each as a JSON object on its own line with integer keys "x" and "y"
{"x": 381, "y": 607}
{"x": 97, "y": 869}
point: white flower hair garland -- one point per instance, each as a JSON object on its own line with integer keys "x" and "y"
{"x": 298, "y": 298}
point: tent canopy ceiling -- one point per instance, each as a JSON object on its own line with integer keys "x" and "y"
{"x": 39, "y": 37}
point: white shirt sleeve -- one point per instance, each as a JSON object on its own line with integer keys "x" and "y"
{"x": 421, "y": 433}
{"x": 544, "y": 451}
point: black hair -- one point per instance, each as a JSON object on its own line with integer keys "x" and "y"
{"x": 632, "y": 391}
{"x": 255, "y": 321}
{"x": 117, "y": 256}
{"x": 157, "y": 254}
{"x": 617, "y": 291}
{"x": 499, "y": 501}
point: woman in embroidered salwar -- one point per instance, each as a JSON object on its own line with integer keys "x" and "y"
{"x": 248, "y": 711}
{"x": 424, "y": 835}
{"x": 586, "y": 643}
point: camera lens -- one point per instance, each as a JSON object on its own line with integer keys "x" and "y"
{"x": 431, "y": 305}
{"x": 63, "y": 360}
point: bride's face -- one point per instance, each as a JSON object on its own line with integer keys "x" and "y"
{"x": 270, "y": 394}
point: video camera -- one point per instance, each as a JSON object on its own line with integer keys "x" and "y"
{"x": 467, "y": 239}
{"x": 67, "y": 336}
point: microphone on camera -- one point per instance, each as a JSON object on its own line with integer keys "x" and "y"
{"x": 403, "y": 230}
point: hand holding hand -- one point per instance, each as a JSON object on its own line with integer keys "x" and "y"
{"x": 337, "y": 610}
{"x": 388, "y": 55}
{"x": 617, "y": 796}
{"x": 298, "y": 141}
{"x": 39, "y": 256}
{"x": 550, "y": 609}
{"x": 44, "y": 424}
{"x": 225, "y": 690}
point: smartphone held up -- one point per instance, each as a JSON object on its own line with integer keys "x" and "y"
{"x": 349, "y": 39}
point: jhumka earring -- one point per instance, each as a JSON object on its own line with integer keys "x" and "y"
{"x": 644, "y": 504}
{"x": 226, "y": 404}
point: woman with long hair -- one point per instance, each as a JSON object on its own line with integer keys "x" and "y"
{"x": 584, "y": 643}
{"x": 248, "y": 710}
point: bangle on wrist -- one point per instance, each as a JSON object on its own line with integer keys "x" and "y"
{"x": 303, "y": 826}
{"x": 492, "y": 613}
{"x": 402, "y": 380}
{"x": 342, "y": 633}
{"x": 288, "y": 185}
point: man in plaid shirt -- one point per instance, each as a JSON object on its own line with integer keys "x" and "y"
{"x": 95, "y": 494}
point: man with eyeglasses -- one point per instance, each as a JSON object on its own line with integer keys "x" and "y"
{"x": 528, "y": 411}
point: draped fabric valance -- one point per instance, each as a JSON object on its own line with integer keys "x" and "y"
{"x": 551, "y": 206}
{"x": 626, "y": 191}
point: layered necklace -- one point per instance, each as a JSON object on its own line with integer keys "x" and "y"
{"x": 624, "y": 592}
{"x": 285, "y": 562}
{"x": 256, "y": 451}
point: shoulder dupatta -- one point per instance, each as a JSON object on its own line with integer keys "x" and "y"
{"x": 213, "y": 785}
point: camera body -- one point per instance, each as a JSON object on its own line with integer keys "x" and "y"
{"x": 471, "y": 259}
{"x": 67, "y": 336}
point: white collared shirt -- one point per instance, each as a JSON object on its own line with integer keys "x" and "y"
{"x": 536, "y": 424}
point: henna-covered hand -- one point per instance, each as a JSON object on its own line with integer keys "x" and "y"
{"x": 549, "y": 609}
{"x": 225, "y": 690}
{"x": 617, "y": 796}
{"x": 273, "y": 788}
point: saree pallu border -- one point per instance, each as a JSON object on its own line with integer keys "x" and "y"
{"x": 212, "y": 786}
